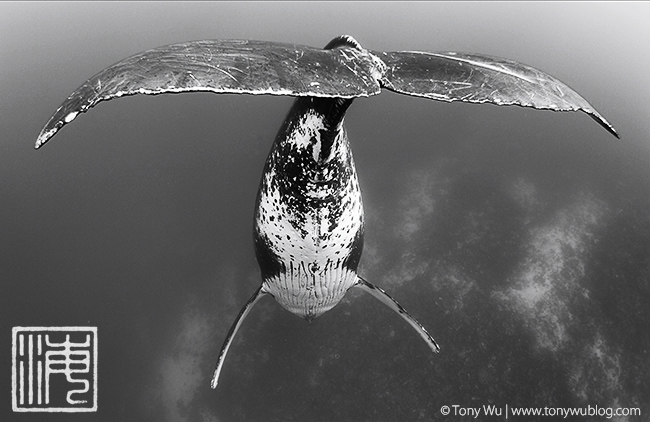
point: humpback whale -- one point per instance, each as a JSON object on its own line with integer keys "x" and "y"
{"x": 309, "y": 220}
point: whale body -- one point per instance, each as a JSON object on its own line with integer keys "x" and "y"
{"x": 309, "y": 221}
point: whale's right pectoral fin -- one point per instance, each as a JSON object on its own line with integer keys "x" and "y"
{"x": 392, "y": 304}
{"x": 233, "y": 330}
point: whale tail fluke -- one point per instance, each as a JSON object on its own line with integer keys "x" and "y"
{"x": 226, "y": 67}
{"x": 343, "y": 69}
{"x": 480, "y": 79}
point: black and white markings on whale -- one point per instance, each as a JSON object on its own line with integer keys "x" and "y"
{"x": 309, "y": 224}
{"x": 309, "y": 216}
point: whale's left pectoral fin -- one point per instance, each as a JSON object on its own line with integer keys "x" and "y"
{"x": 385, "y": 298}
{"x": 477, "y": 78}
{"x": 233, "y": 330}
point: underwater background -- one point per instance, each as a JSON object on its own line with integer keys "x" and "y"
{"x": 519, "y": 238}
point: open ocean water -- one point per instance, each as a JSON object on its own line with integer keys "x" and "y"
{"x": 519, "y": 238}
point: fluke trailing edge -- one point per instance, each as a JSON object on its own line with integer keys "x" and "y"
{"x": 309, "y": 222}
